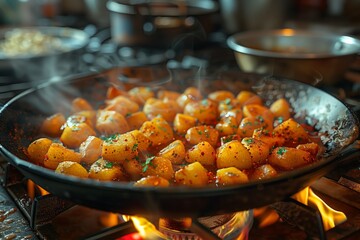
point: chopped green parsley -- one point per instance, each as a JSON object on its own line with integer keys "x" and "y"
{"x": 147, "y": 162}
{"x": 281, "y": 151}
{"x": 227, "y": 101}
{"x": 110, "y": 138}
{"x": 135, "y": 146}
{"x": 108, "y": 165}
{"x": 205, "y": 102}
{"x": 280, "y": 119}
{"x": 248, "y": 140}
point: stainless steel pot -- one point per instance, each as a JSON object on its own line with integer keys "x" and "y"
{"x": 238, "y": 16}
{"x": 160, "y": 23}
{"x": 97, "y": 12}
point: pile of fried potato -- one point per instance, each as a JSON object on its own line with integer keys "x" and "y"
{"x": 167, "y": 138}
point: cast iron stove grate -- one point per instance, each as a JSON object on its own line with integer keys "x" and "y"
{"x": 40, "y": 212}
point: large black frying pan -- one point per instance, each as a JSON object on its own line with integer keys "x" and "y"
{"x": 20, "y": 119}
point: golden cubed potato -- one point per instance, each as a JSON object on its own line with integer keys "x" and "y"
{"x": 194, "y": 92}
{"x": 113, "y": 92}
{"x": 121, "y": 100}
{"x": 76, "y": 119}
{"x": 205, "y": 111}
{"x": 73, "y": 136}
{"x": 236, "y": 113}
{"x": 247, "y": 97}
{"x": 143, "y": 143}
{"x": 119, "y": 147}
{"x": 106, "y": 171}
{"x": 281, "y": 109}
{"x": 249, "y": 124}
{"x": 288, "y": 158}
{"x": 158, "y": 130}
{"x": 254, "y": 110}
{"x": 233, "y": 154}
{"x": 230, "y": 176}
{"x": 80, "y": 104}
{"x": 183, "y": 100}
{"x": 166, "y": 94}
{"x": 90, "y": 117}
{"x": 258, "y": 111}
{"x": 312, "y": 148}
{"x": 141, "y": 94}
{"x": 229, "y": 104}
{"x": 158, "y": 166}
{"x": 152, "y": 181}
{"x": 58, "y": 153}
{"x": 51, "y": 126}
{"x": 173, "y": 105}
{"x": 111, "y": 122}
{"x": 183, "y": 122}
{"x": 136, "y": 120}
{"x": 175, "y": 152}
{"x": 114, "y": 106}
{"x": 259, "y": 150}
{"x": 293, "y": 133}
{"x": 227, "y": 126}
{"x": 226, "y": 139}
{"x": 202, "y": 133}
{"x": 267, "y": 137}
{"x": 194, "y": 175}
{"x": 72, "y": 168}
{"x": 263, "y": 172}
{"x": 221, "y": 95}
{"x": 155, "y": 107}
{"x": 37, "y": 150}
{"x": 203, "y": 153}
{"x": 191, "y": 94}
{"x": 133, "y": 168}
{"x": 90, "y": 150}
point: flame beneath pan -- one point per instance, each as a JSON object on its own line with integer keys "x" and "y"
{"x": 330, "y": 217}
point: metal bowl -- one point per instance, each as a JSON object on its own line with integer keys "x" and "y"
{"x": 53, "y": 62}
{"x": 305, "y": 55}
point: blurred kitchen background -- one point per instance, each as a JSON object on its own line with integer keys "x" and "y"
{"x": 233, "y": 15}
{"x": 124, "y": 36}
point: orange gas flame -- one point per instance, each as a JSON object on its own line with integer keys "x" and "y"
{"x": 109, "y": 219}
{"x": 266, "y": 216}
{"x": 174, "y": 228}
{"x": 146, "y": 229}
{"x": 330, "y": 217}
{"x": 31, "y": 187}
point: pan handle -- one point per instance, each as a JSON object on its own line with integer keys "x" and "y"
{"x": 350, "y": 153}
